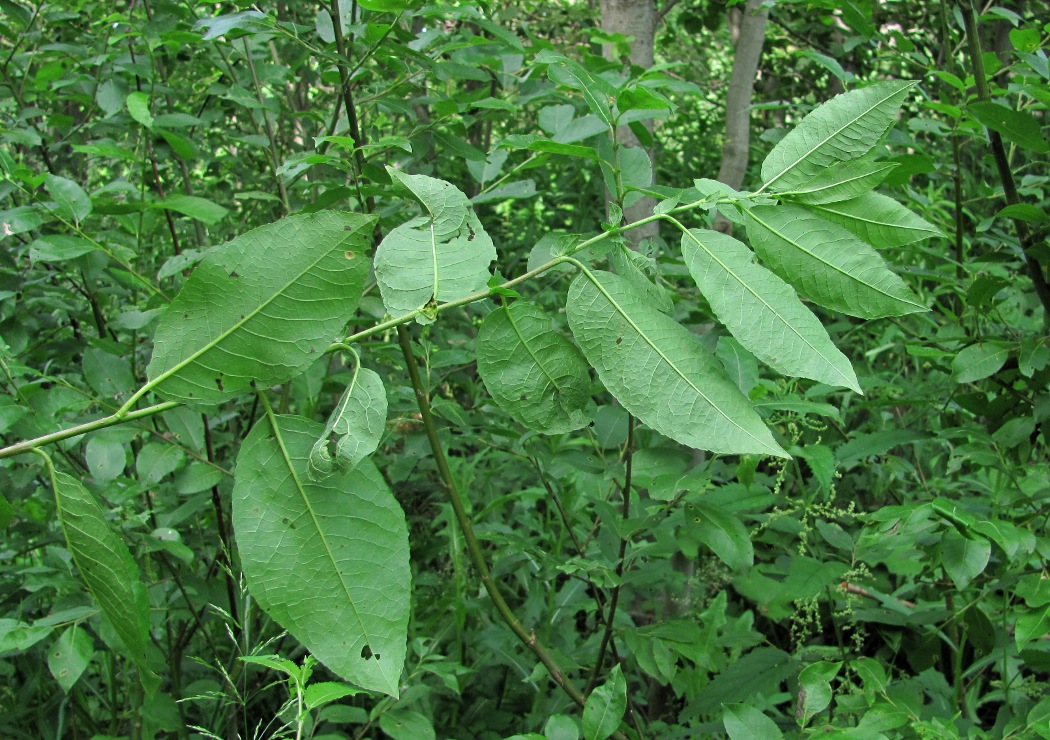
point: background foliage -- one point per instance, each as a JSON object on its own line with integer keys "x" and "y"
{"x": 886, "y": 580}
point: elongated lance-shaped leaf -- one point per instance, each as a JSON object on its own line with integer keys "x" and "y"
{"x": 632, "y": 265}
{"x": 659, "y": 371}
{"x": 762, "y": 311}
{"x": 842, "y": 182}
{"x": 263, "y": 307}
{"x": 440, "y": 257}
{"x": 827, "y": 264}
{"x": 107, "y": 568}
{"x": 354, "y": 428}
{"x": 327, "y": 560}
{"x": 879, "y": 220}
{"x": 846, "y": 127}
{"x": 533, "y": 372}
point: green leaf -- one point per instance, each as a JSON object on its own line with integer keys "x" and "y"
{"x": 536, "y": 143}
{"x": 59, "y": 247}
{"x": 73, "y": 203}
{"x": 262, "y": 307}
{"x": 138, "y": 107}
{"x": 439, "y": 257}
{"x": 637, "y": 267}
{"x": 532, "y": 371}
{"x": 827, "y": 264}
{"x": 201, "y": 209}
{"x": 354, "y": 427}
{"x": 1016, "y": 126}
{"x": 107, "y": 568}
{"x": 7, "y": 513}
{"x": 69, "y": 656}
{"x": 879, "y": 220}
{"x": 659, "y": 371}
{"x": 845, "y": 128}
{"x": 743, "y": 722}
{"x": 842, "y": 182}
{"x": 763, "y": 313}
{"x": 979, "y": 361}
{"x": 1024, "y": 212}
{"x": 722, "y": 532}
{"x": 1031, "y": 626}
{"x": 964, "y": 558}
{"x": 318, "y": 694}
{"x": 344, "y": 537}
{"x": 406, "y": 724}
{"x": 814, "y": 689}
{"x": 605, "y": 707}
{"x": 596, "y": 90}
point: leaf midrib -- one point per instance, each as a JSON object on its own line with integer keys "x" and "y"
{"x": 324, "y": 540}
{"x": 772, "y": 310}
{"x": 619, "y": 309}
{"x": 248, "y": 317}
{"x": 830, "y": 136}
{"x": 823, "y": 261}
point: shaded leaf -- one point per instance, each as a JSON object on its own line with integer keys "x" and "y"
{"x": 722, "y": 532}
{"x": 345, "y": 536}
{"x": 201, "y": 209}
{"x": 532, "y": 371}
{"x": 659, "y": 371}
{"x": 1016, "y": 126}
{"x": 605, "y": 707}
{"x": 743, "y": 722}
{"x": 979, "y": 361}
{"x": 354, "y": 427}
{"x": 107, "y": 568}
{"x": 964, "y": 558}
{"x": 69, "y": 656}
{"x": 73, "y": 203}
{"x": 262, "y": 307}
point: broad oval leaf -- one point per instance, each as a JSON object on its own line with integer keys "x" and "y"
{"x": 827, "y": 264}
{"x": 262, "y": 307}
{"x": 659, "y": 371}
{"x": 878, "y": 219}
{"x": 846, "y": 127}
{"x": 107, "y": 568}
{"x": 439, "y": 257}
{"x": 354, "y": 427}
{"x": 722, "y": 532}
{"x": 533, "y": 372}
{"x": 72, "y": 202}
{"x": 964, "y": 558}
{"x": 1017, "y": 126}
{"x": 345, "y": 537}
{"x": 979, "y": 361}
{"x": 762, "y": 311}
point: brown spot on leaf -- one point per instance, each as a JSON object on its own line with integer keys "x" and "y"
{"x": 349, "y": 255}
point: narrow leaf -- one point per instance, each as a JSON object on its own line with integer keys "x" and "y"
{"x": 879, "y": 220}
{"x": 354, "y": 428}
{"x": 532, "y": 371}
{"x": 440, "y": 257}
{"x": 605, "y": 707}
{"x": 201, "y": 209}
{"x": 107, "y": 568}
{"x": 827, "y": 264}
{"x": 762, "y": 311}
{"x": 262, "y": 307}
{"x": 846, "y": 127}
{"x": 843, "y": 182}
{"x": 345, "y": 536}
{"x": 1016, "y": 126}
{"x": 659, "y": 371}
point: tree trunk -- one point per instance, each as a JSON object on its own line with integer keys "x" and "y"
{"x": 635, "y": 18}
{"x": 737, "y": 145}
